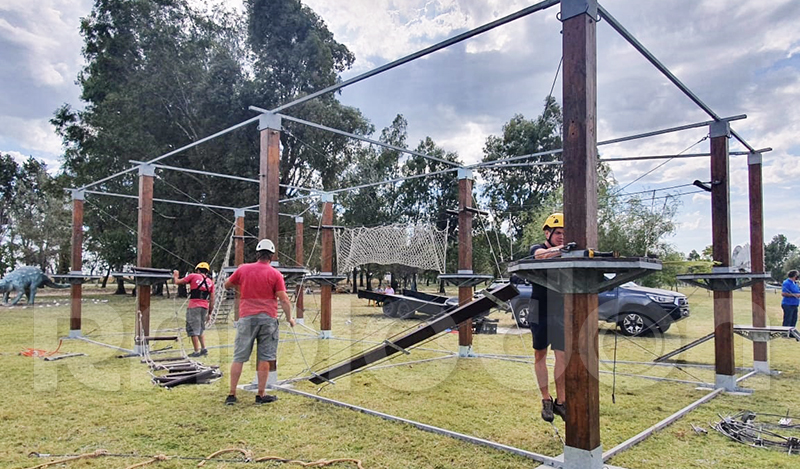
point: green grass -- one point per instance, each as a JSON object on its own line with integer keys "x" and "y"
{"x": 81, "y": 404}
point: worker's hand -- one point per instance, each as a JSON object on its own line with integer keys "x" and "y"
{"x": 291, "y": 322}
{"x": 175, "y": 274}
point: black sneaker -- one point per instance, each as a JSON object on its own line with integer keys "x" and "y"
{"x": 203, "y": 353}
{"x": 560, "y": 410}
{"x": 547, "y": 410}
{"x": 265, "y": 399}
{"x": 194, "y": 354}
{"x": 230, "y": 400}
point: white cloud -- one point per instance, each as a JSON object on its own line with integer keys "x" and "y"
{"x": 35, "y": 135}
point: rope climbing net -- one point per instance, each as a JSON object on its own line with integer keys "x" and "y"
{"x": 415, "y": 245}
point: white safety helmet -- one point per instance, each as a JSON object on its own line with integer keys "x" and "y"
{"x": 265, "y": 245}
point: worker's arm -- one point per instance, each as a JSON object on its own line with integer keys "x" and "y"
{"x": 548, "y": 253}
{"x": 177, "y": 280}
{"x": 229, "y": 284}
{"x": 286, "y": 305}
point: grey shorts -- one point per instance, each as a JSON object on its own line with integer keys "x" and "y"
{"x": 195, "y": 321}
{"x": 262, "y": 328}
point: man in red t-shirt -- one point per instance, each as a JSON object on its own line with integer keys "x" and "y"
{"x": 201, "y": 300}
{"x": 261, "y": 288}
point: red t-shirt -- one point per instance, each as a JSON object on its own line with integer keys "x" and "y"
{"x": 196, "y": 283}
{"x": 258, "y": 284}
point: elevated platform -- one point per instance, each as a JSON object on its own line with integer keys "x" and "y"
{"x": 324, "y": 279}
{"x": 583, "y": 275}
{"x": 75, "y": 278}
{"x": 145, "y": 275}
{"x": 723, "y": 280}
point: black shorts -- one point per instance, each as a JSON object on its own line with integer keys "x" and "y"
{"x": 547, "y": 327}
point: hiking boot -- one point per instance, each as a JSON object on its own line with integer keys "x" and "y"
{"x": 265, "y": 399}
{"x": 194, "y": 354}
{"x": 560, "y": 410}
{"x": 230, "y": 400}
{"x": 203, "y": 352}
{"x": 547, "y": 410}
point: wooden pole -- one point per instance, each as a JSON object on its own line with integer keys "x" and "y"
{"x": 144, "y": 250}
{"x": 269, "y": 179}
{"x": 465, "y": 180}
{"x": 721, "y": 239}
{"x": 76, "y": 290}
{"x": 238, "y": 253}
{"x": 583, "y": 447}
{"x": 757, "y": 291}
{"x": 327, "y": 265}
{"x": 298, "y": 255}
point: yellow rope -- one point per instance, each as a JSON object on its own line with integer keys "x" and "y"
{"x": 157, "y": 458}
{"x": 320, "y": 463}
{"x": 94, "y": 454}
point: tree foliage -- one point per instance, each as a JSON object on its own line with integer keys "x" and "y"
{"x": 776, "y": 253}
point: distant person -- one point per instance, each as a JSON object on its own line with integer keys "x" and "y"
{"x": 261, "y": 288}
{"x": 201, "y": 301}
{"x": 389, "y": 290}
{"x": 547, "y": 323}
{"x": 791, "y": 299}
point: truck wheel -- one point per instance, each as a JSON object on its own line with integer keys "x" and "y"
{"x": 390, "y": 309}
{"x": 404, "y": 310}
{"x": 521, "y": 316}
{"x": 633, "y": 324}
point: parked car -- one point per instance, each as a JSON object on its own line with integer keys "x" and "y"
{"x": 635, "y": 309}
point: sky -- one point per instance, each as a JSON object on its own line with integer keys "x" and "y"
{"x": 737, "y": 56}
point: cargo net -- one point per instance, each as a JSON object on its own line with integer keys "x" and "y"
{"x": 416, "y": 245}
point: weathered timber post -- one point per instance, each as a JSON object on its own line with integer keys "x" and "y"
{"x": 757, "y": 292}
{"x": 465, "y": 180}
{"x": 583, "y": 448}
{"x": 298, "y": 254}
{"x": 76, "y": 290}
{"x": 144, "y": 250}
{"x": 325, "y": 322}
{"x": 719, "y": 132}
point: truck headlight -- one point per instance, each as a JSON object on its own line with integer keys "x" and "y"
{"x": 661, "y": 299}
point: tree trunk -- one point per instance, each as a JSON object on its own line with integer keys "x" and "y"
{"x": 355, "y": 280}
{"x": 441, "y": 286}
{"x": 120, "y": 286}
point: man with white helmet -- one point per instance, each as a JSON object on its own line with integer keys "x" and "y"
{"x": 261, "y": 288}
{"x": 201, "y": 301}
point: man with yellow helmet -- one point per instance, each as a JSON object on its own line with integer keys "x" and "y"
{"x": 201, "y": 301}
{"x": 547, "y": 323}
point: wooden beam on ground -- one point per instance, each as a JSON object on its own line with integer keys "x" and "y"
{"x": 757, "y": 291}
{"x": 580, "y": 214}
{"x": 465, "y": 181}
{"x": 447, "y": 321}
{"x": 721, "y": 240}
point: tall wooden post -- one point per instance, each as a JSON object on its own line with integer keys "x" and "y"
{"x": 583, "y": 448}
{"x": 76, "y": 289}
{"x": 757, "y": 291}
{"x": 465, "y": 180}
{"x": 144, "y": 251}
{"x": 325, "y": 322}
{"x": 269, "y": 178}
{"x": 298, "y": 255}
{"x": 238, "y": 252}
{"x": 721, "y": 240}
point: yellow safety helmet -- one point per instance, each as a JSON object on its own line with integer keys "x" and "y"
{"x": 555, "y": 220}
{"x": 203, "y": 265}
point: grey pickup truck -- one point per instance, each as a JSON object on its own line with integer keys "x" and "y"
{"x": 635, "y": 309}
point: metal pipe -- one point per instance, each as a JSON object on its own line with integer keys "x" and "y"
{"x": 360, "y": 137}
{"x": 663, "y": 69}
{"x": 446, "y": 43}
{"x": 429, "y": 428}
{"x": 185, "y": 147}
{"x": 194, "y": 204}
{"x": 662, "y": 424}
{"x": 669, "y": 130}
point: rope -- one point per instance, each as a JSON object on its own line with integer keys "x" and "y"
{"x": 39, "y": 353}
{"x": 94, "y": 454}
{"x": 319, "y": 463}
{"x": 156, "y": 458}
{"x": 248, "y": 455}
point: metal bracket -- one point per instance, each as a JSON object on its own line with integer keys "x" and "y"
{"x": 465, "y": 173}
{"x": 754, "y": 158}
{"x": 573, "y": 8}
{"x": 269, "y": 121}
{"x": 238, "y": 213}
{"x": 78, "y": 194}
{"x": 719, "y": 129}
{"x": 396, "y": 347}
{"x": 147, "y": 170}
{"x": 329, "y": 381}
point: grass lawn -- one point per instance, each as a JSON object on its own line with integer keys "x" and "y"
{"x": 81, "y": 404}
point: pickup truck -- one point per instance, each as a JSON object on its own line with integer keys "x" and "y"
{"x": 635, "y": 309}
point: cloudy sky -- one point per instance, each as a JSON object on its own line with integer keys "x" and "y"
{"x": 738, "y": 56}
